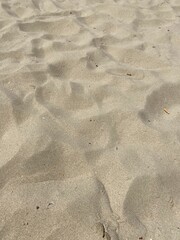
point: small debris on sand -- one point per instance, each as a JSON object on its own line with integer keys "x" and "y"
{"x": 166, "y": 111}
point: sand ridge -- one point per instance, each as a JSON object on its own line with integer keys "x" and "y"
{"x": 89, "y": 119}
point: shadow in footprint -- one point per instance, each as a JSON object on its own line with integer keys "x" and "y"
{"x": 167, "y": 96}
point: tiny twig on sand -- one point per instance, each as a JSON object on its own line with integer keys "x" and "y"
{"x": 166, "y": 111}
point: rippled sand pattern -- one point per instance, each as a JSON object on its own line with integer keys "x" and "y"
{"x": 89, "y": 119}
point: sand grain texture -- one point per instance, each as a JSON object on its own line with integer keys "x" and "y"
{"x": 89, "y": 119}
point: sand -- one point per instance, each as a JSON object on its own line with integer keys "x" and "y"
{"x": 89, "y": 119}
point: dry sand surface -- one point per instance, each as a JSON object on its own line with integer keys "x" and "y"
{"x": 89, "y": 119}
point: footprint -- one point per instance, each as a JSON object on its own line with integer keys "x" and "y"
{"x": 6, "y": 6}
{"x": 22, "y": 105}
{"x": 66, "y": 97}
{"x": 96, "y": 59}
{"x": 62, "y": 27}
{"x": 6, "y": 113}
{"x": 37, "y": 48}
{"x": 149, "y": 202}
{"x": 135, "y": 58}
{"x": 104, "y": 41}
{"x": 127, "y": 73}
{"x": 159, "y": 103}
{"x": 96, "y": 201}
{"x": 36, "y": 4}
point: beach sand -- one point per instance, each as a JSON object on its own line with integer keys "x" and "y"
{"x": 89, "y": 119}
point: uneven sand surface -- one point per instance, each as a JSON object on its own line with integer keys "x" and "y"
{"x": 89, "y": 119}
